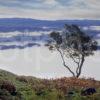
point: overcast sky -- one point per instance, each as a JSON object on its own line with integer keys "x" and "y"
{"x": 50, "y": 9}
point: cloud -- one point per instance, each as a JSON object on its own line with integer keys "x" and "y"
{"x": 50, "y": 9}
{"x": 50, "y": 2}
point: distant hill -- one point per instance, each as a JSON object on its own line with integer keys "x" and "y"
{"x": 14, "y": 87}
{"x": 21, "y": 31}
{"x": 22, "y": 24}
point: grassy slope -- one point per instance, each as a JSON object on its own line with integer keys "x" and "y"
{"x": 31, "y": 88}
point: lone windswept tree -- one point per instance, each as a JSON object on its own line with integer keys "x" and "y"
{"x": 74, "y": 44}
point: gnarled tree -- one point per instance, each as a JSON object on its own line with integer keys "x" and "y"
{"x": 72, "y": 43}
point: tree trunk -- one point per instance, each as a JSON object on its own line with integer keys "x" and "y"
{"x": 80, "y": 67}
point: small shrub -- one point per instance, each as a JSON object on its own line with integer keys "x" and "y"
{"x": 22, "y": 79}
{"x": 88, "y": 91}
{"x": 8, "y": 86}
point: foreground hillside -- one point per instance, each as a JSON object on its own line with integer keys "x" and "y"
{"x": 13, "y": 87}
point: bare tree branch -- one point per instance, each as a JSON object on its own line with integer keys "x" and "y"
{"x": 65, "y": 63}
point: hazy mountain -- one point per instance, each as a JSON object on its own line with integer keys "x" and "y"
{"x": 22, "y": 24}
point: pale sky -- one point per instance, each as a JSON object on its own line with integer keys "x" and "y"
{"x": 50, "y": 9}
